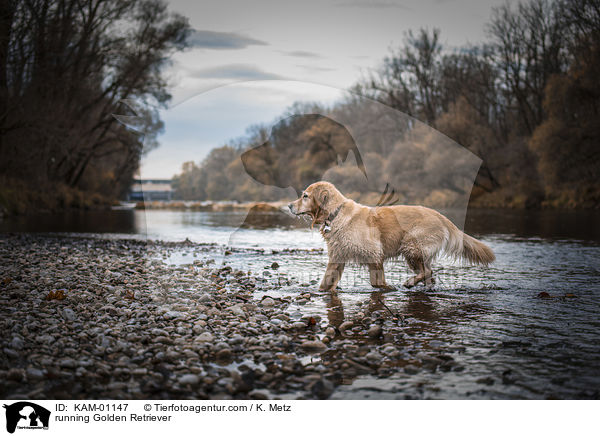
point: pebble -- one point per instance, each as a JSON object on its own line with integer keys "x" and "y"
{"x": 67, "y": 362}
{"x": 345, "y": 326}
{"x": 374, "y": 331}
{"x": 68, "y": 314}
{"x": 373, "y": 356}
{"x": 205, "y": 298}
{"x": 411, "y": 369}
{"x": 17, "y": 343}
{"x": 173, "y": 315}
{"x": 224, "y": 354}
{"x": 268, "y": 302}
{"x": 34, "y": 374}
{"x": 189, "y": 379}
{"x": 237, "y": 310}
{"x": 140, "y": 328}
{"x": 299, "y": 325}
{"x": 205, "y": 337}
{"x": 313, "y": 346}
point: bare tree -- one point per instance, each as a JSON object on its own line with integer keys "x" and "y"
{"x": 528, "y": 48}
{"x": 68, "y": 64}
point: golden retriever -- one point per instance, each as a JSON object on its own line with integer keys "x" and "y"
{"x": 370, "y": 235}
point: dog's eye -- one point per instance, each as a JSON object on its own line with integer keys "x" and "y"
{"x": 305, "y": 196}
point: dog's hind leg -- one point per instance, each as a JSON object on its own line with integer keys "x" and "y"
{"x": 333, "y": 274}
{"x": 377, "y": 276}
{"x": 429, "y": 280}
{"x": 417, "y": 265}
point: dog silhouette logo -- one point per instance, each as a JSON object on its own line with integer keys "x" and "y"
{"x": 26, "y": 415}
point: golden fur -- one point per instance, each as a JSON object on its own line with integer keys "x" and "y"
{"x": 370, "y": 235}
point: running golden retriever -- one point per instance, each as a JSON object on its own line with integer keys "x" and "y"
{"x": 370, "y": 235}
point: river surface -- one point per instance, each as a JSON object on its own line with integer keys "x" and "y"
{"x": 506, "y": 341}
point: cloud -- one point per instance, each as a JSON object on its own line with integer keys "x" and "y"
{"x": 302, "y": 54}
{"x": 234, "y": 71}
{"x": 221, "y": 40}
{"x": 368, "y": 4}
{"x": 316, "y": 68}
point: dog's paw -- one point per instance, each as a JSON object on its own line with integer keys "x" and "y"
{"x": 410, "y": 283}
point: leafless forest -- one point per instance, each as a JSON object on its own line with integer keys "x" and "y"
{"x": 65, "y": 67}
{"x": 526, "y": 101}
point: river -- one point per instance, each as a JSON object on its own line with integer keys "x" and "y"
{"x": 506, "y": 341}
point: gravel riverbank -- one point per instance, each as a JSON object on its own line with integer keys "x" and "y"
{"x": 96, "y": 318}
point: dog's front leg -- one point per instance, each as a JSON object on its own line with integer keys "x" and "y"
{"x": 333, "y": 274}
{"x": 377, "y": 277}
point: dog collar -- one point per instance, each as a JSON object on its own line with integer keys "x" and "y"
{"x": 326, "y": 226}
{"x": 332, "y": 215}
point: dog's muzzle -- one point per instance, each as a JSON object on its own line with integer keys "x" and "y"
{"x": 291, "y": 206}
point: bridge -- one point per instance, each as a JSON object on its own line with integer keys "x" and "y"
{"x": 151, "y": 190}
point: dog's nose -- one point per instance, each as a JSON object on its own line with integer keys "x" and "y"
{"x": 291, "y": 206}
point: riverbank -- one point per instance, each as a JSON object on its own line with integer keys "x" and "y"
{"x": 92, "y": 318}
{"x": 20, "y": 198}
{"x": 88, "y": 317}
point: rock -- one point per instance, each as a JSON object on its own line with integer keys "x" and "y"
{"x": 17, "y": 343}
{"x": 411, "y": 369}
{"x": 436, "y": 344}
{"x": 68, "y": 314}
{"x": 274, "y": 265}
{"x": 11, "y": 353}
{"x": 313, "y": 346}
{"x": 321, "y": 388}
{"x": 199, "y": 327}
{"x": 330, "y": 332}
{"x": 259, "y": 394}
{"x": 485, "y": 381}
{"x": 237, "y": 310}
{"x": 204, "y": 337}
{"x": 345, "y": 326}
{"x": 189, "y": 379}
{"x": 173, "y": 315}
{"x": 159, "y": 332}
{"x": 374, "y": 331}
{"x": 429, "y": 360}
{"x": 34, "y": 374}
{"x": 299, "y": 325}
{"x": 205, "y": 298}
{"x": 224, "y": 354}
{"x": 268, "y": 302}
{"x": 373, "y": 357}
{"x": 67, "y": 362}
{"x": 236, "y": 339}
{"x": 15, "y": 374}
{"x": 45, "y": 339}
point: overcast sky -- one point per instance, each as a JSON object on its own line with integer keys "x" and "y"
{"x": 302, "y": 50}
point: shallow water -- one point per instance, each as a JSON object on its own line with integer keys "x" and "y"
{"x": 505, "y": 342}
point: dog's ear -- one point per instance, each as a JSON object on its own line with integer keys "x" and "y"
{"x": 323, "y": 197}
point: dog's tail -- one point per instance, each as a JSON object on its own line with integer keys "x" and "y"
{"x": 460, "y": 245}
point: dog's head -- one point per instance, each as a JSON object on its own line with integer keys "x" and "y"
{"x": 317, "y": 201}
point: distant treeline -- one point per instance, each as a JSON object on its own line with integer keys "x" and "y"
{"x": 66, "y": 66}
{"x": 527, "y": 102}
